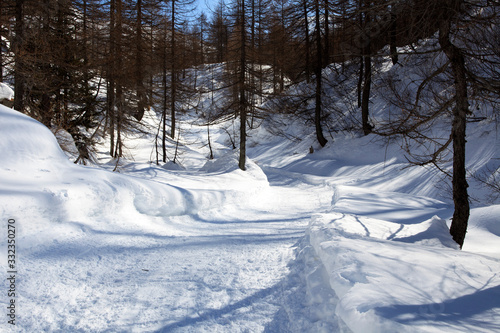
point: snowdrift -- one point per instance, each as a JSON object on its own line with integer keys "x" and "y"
{"x": 393, "y": 277}
{"x": 385, "y": 247}
{"x": 51, "y": 195}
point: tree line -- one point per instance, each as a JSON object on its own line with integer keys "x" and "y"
{"x": 92, "y": 66}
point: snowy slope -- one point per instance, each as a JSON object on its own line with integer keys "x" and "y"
{"x": 385, "y": 247}
{"x": 344, "y": 239}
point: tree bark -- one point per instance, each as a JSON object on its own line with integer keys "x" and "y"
{"x": 461, "y": 213}
{"x": 318, "y": 72}
{"x": 367, "y": 82}
{"x": 19, "y": 81}
{"x": 173, "y": 74}
{"x": 365, "y": 100}
{"x": 141, "y": 93}
{"x": 242, "y": 97}
{"x": 165, "y": 97}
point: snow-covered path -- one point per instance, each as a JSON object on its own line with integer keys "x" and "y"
{"x": 228, "y": 275}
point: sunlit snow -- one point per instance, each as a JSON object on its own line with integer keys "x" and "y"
{"x": 344, "y": 239}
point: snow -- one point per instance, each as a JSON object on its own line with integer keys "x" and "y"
{"x": 6, "y": 92}
{"x": 346, "y": 239}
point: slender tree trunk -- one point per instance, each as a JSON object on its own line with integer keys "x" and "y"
{"x": 119, "y": 86}
{"x": 173, "y": 75}
{"x": 165, "y": 97}
{"x": 1, "y": 52}
{"x": 360, "y": 80}
{"x": 393, "y": 38}
{"x": 365, "y": 101}
{"x": 242, "y": 93}
{"x": 367, "y": 82}
{"x": 19, "y": 81}
{"x": 141, "y": 93}
{"x": 111, "y": 78}
{"x": 319, "y": 73}
{"x": 327, "y": 32}
{"x": 460, "y": 220}
{"x": 361, "y": 59}
{"x": 85, "y": 38}
{"x": 307, "y": 42}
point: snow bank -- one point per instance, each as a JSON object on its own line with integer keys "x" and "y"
{"x": 392, "y": 277}
{"x": 6, "y": 92}
{"x": 26, "y": 142}
{"x": 228, "y": 163}
{"x": 38, "y": 183}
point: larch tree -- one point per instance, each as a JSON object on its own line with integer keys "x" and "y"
{"x": 457, "y": 69}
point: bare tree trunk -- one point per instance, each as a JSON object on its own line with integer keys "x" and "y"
{"x": 460, "y": 220}
{"x": 111, "y": 78}
{"x": 319, "y": 73}
{"x": 327, "y": 32}
{"x": 165, "y": 95}
{"x": 242, "y": 93}
{"x": 1, "y": 52}
{"x": 393, "y": 38}
{"x": 367, "y": 82}
{"x": 173, "y": 74}
{"x": 120, "y": 112}
{"x": 307, "y": 42}
{"x": 141, "y": 93}
{"x": 365, "y": 100}
{"x": 19, "y": 80}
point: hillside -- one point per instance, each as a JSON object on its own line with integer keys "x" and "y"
{"x": 347, "y": 238}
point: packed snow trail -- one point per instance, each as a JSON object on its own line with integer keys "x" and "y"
{"x": 190, "y": 251}
{"x": 228, "y": 275}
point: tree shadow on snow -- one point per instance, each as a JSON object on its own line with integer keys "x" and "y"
{"x": 214, "y": 314}
{"x": 450, "y": 312}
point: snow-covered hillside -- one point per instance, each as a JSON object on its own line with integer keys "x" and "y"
{"x": 344, "y": 239}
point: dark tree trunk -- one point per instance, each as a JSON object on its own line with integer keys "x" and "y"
{"x": 360, "y": 80}
{"x": 173, "y": 75}
{"x": 111, "y": 78}
{"x": 327, "y": 32}
{"x": 242, "y": 97}
{"x": 307, "y": 43}
{"x": 461, "y": 213}
{"x": 393, "y": 39}
{"x": 19, "y": 81}
{"x": 165, "y": 98}
{"x": 120, "y": 103}
{"x": 365, "y": 100}
{"x": 367, "y": 82}
{"x": 141, "y": 92}
{"x": 318, "y": 72}
{"x": 1, "y": 49}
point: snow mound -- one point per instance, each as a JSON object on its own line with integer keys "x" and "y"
{"x": 27, "y": 141}
{"x": 57, "y": 198}
{"x": 6, "y": 92}
{"x": 391, "y": 277}
{"x": 483, "y": 234}
{"x": 228, "y": 163}
{"x": 170, "y": 165}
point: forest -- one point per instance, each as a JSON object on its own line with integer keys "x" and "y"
{"x": 92, "y": 68}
